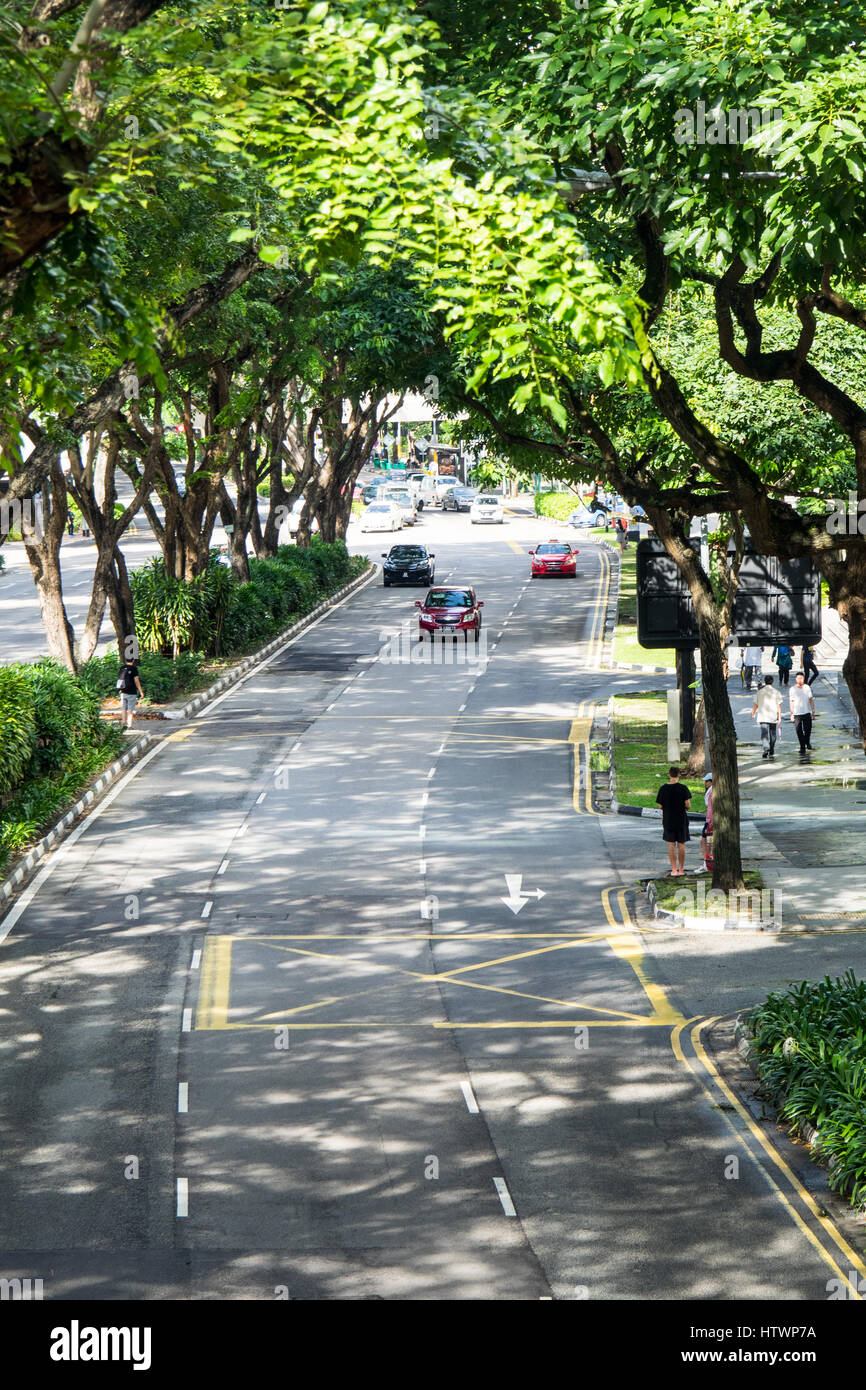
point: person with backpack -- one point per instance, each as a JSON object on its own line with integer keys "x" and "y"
{"x": 810, "y": 670}
{"x": 129, "y": 689}
{"x": 784, "y": 659}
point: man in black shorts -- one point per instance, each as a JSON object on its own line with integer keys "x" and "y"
{"x": 675, "y": 800}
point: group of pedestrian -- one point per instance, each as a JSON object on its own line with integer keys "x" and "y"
{"x": 767, "y": 709}
{"x": 752, "y": 661}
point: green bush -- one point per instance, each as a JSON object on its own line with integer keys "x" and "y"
{"x": 811, "y": 1046}
{"x": 67, "y": 717}
{"x": 17, "y": 726}
{"x": 557, "y": 505}
{"x": 161, "y": 677}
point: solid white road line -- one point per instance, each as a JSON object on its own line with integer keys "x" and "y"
{"x": 183, "y": 1196}
{"x": 196, "y": 959}
{"x": 208, "y": 908}
{"x": 504, "y": 1197}
{"x": 469, "y": 1097}
{"x": 186, "y": 1026}
{"x": 183, "y": 1098}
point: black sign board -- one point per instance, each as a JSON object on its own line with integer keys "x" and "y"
{"x": 777, "y": 600}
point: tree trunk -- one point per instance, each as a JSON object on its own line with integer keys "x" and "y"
{"x": 697, "y": 760}
{"x": 121, "y": 607}
{"x": 43, "y": 552}
{"x": 727, "y": 860}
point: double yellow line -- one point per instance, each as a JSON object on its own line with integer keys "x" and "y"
{"x": 625, "y": 942}
{"x": 579, "y": 735}
{"x": 599, "y": 612}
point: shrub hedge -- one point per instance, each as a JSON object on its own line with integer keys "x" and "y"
{"x": 558, "y": 505}
{"x": 52, "y": 741}
{"x": 811, "y": 1057}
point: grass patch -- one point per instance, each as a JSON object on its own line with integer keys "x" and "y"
{"x": 811, "y": 1057}
{"x": 667, "y": 889}
{"x": 640, "y": 750}
{"x": 626, "y": 647}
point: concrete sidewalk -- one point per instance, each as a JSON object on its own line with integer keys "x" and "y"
{"x": 804, "y": 816}
{"x": 803, "y": 819}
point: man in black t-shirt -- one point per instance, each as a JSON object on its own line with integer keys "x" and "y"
{"x": 675, "y": 800}
{"x": 129, "y": 689}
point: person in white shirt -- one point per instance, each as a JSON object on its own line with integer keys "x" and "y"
{"x": 802, "y": 711}
{"x": 752, "y": 661}
{"x": 768, "y": 709}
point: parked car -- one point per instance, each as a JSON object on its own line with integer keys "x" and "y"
{"x": 486, "y": 509}
{"x": 408, "y": 564}
{"x": 382, "y": 516}
{"x": 458, "y": 499}
{"x": 446, "y": 611}
{"x": 370, "y": 492}
{"x": 554, "y": 557}
{"x": 586, "y": 517}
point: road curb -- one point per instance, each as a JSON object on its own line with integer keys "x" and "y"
{"x": 59, "y": 832}
{"x": 24, "y": 867}
{"x": 691, "y": 922}
{"x": 234, "y": 675}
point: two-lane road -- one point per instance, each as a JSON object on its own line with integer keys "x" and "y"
{"x": 339, "y": 997}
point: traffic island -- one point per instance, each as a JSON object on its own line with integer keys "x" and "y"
{"x": 693, "y": 903}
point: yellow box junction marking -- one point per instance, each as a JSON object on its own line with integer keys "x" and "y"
{"x": 214, "y": 1003}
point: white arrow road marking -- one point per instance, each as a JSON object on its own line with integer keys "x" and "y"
{"x": 516, "y": 899}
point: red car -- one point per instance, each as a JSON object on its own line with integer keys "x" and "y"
{"x": 449, "y": 610}
{"x": 554, "y": 557}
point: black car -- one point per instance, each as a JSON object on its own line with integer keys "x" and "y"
{"x": 458, "y": 499}
{"x": 408, "y": 564}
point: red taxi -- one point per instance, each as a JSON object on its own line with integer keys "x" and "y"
{"x": 554, "y": 557}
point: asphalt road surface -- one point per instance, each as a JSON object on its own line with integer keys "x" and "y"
{"x": 336, "y": 997}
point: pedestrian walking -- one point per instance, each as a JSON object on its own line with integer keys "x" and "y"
{"x": 768, "y": 711}
{"x": 752, "y": 663}
{"x": 707, "y": 828}
{"x": 622, "y": 536}
{"x": 129, "y": 689}
{"x": 810, "y": 670}
{"x": 784, "y": 659}
{"x": 675, "y": 800}
{"x": 802, "y": 711}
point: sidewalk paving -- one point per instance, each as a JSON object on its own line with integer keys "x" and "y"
{"x": 803, "y": 820}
